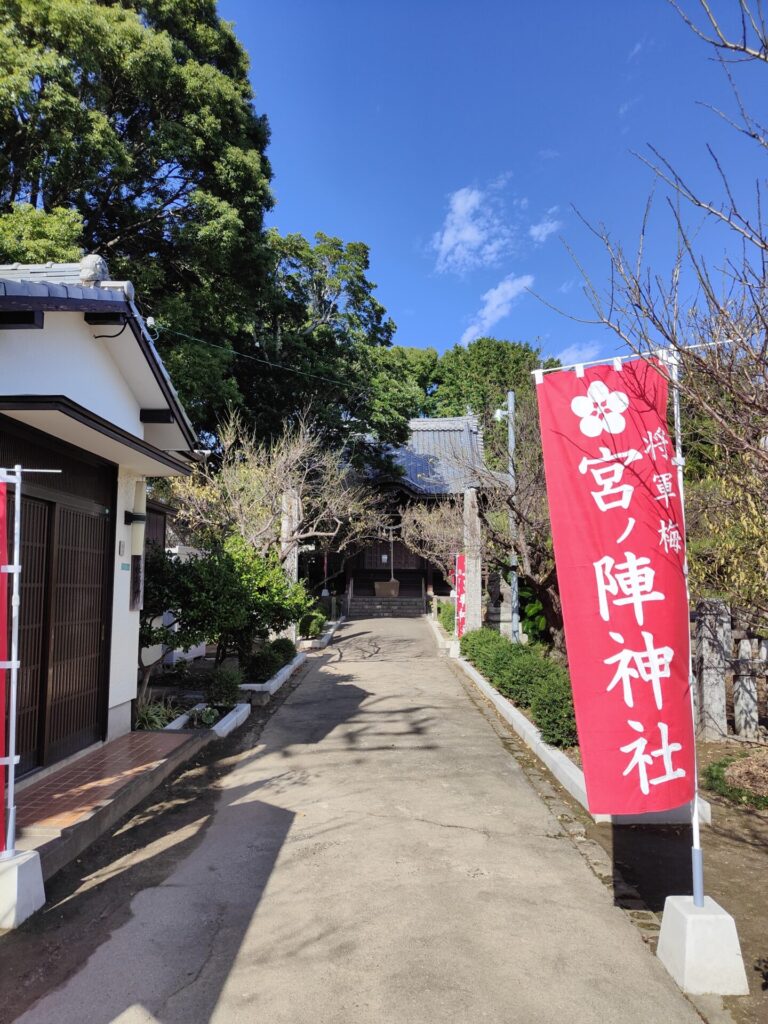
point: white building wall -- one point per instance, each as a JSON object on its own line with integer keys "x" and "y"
{"x": 123, "y": 668}
{"x": 64, "y": 359}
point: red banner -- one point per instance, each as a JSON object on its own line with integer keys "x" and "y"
{"x": 619, "y": 545}
{"x": 4, "y": 578}
{"x": 461, "y": 595}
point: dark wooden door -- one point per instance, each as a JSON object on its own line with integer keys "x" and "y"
{"x": 67, "y": 539}
{"x": 78, "y": 626}
{"x": 37, "y": 519}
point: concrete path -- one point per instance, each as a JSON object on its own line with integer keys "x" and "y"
{"x": 379, "y": 858}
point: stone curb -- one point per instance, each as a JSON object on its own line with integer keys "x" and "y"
{"x": 569, "y": 775}
{"x": 320, "y": 642}
{"x": 444, "y": 642}
{"x": 222, "y": 728}
{"x": 232, "y": 720}
{"x": 273, "y": 685}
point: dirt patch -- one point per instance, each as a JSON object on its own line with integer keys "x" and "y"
{"x": 750, "y": 772}
{"x": 91, "y": 897}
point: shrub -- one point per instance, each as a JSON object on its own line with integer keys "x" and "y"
{"x": 223, "y": 687}
{"x": 285, "y": 647}
{"x": 552, "y": 708}
{"x": 483, "y": 647}
{"x": 521, "y": 672}
{"x": 155, "y": 714}
{"x": 446, "y": 616}
{"x": 529, "y": 678}
{"x": 263, "y": 664}
{"x": 205, "y": 717}
{"x": 311, "y": 625}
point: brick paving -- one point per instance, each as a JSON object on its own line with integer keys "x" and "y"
{"x": 78, "y": 789}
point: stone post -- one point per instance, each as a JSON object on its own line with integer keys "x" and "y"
{"x": 745, "y": 693}
{"x": 713, "y": 635}
{"x": 289, "y": 548}
{"x": 472, "y": 550}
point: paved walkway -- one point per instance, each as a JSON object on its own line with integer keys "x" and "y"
{"x": 379, "y": 858}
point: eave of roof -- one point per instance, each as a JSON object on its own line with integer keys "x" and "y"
{"x": 18, "y": 405}
{"x": 55, "y": 296}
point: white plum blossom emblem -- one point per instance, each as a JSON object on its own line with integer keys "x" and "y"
{"x": 600, "y": 409}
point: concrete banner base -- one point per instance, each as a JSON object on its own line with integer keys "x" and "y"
{"x": 700, "y": 948}
{"x": 21, "y": 888}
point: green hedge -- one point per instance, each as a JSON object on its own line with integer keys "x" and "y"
{"x": 311, "y": 625}
{"x": 263, "y": 664}
{"x": 446, "y": 616}
{"x": 530, "y": 679}
{"x": 285, "y": 647}
{"x": 222, "y": 687}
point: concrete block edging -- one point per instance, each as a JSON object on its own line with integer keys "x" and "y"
{"x": 444, "y": 642}
{"x": 319, "y": 642}
{"x": 273, "y": 685}
{"x": 568, "y": 774}
{"x": 222, "y": 728}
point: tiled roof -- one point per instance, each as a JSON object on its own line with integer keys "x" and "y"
{"x": 443, "y": 456}
{"x": 29, "y": 288}
{"x": 88, "y": 279}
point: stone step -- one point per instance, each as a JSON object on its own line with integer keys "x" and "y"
{"x": 385, "y": 607}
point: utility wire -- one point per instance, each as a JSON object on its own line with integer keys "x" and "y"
{"x": 256, "y": 359}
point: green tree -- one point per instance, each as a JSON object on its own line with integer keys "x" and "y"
{"x": 129, "y": 130}
{"x": 272, "y": 599}
{"x": 28, "y": 235}
{"x": 139, "y": 116}
{"x": 188, "y": 602}
{"x": 478, "y": 377}
{"x": 401, "y": 380}
{"x": 319, "y": 324}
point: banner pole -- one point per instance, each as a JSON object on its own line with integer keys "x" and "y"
{"x": 10, "y": 810}
{"x": 514, "y": 584}
{"x": 14, "y": 477}
{"x": 672, "y": 358}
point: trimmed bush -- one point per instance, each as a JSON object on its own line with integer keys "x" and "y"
{"x": 285, "y": 647}
{"x": 446, "y": 616}
{"x": 222, "y": 687}
{"x": 263, "y": 664}
{"x": 311, "y": 625}
{"x": 529, "y": 678}
{"x": 552, "y": 708}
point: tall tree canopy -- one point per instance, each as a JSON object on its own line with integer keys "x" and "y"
{"x": 129, "y": 130}
{"x": 139, "y": 116}
{"x": 310, "y": 349}
{"x": 478, "y": 377}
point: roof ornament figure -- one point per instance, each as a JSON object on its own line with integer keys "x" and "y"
{"x": 93, "y": 268}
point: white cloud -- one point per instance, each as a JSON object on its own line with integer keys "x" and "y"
{"x": 627, "y": 105}
{"x": 566, "y": 286}
{"x": 548, "y": 154}
{"x": 636, "y": 49}
{"x": 474, "y": 232}
{"x": 580, "y": 352}
{"x": 497, "y": 302}
{"x": 547, "y": 226}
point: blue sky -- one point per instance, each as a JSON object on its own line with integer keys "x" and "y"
{"x": 456, "y": 138}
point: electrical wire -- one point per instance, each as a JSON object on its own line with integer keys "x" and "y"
{"x": 256, "y": 359}
{"x": 122, "y": 329}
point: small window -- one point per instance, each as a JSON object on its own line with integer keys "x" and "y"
{"x": 20, "y": 319}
